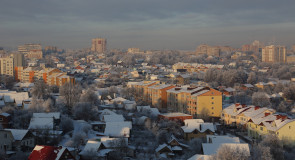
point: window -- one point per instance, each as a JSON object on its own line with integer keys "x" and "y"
{"x": 212, "y": 98}
{"x": 212, "y": 112}
{"x": 261, "y": 128}
{"x": 212, "y": 102}
{"x": 5, "y": 135}
{"x": 212, "y": 108}
{"x": 289, "y": 127}
{"x": 1, "y": 119}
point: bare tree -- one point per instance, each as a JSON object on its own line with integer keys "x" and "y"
{"x": 85, "y": 111}
{"x": 40, "y": 90}
{"x": 204, "y": 114}
{"x": 89, "y": 96}
{"x": 261, "y": 152}
{"x": 66, "y": 124}
{"x": 71, "y": 94}
{"x": 252, "y": 79}
{"x": 275, "y": 145}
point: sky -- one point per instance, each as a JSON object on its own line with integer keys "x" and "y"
{"x": 146, "y": 24}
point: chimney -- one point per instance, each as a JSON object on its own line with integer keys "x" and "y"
{"x": 256, "y": 107}
{"x": 266, "y": 114}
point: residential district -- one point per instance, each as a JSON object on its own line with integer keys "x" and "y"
{"x": 216, "y": 102}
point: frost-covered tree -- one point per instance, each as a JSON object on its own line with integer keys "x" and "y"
{"x": 252, "y": 79}
{"x": 227, "y": 153}
{"x": 260, "y": 99}
{"x": 71, "y": 94}
{"x": 289, "y": 92}
{"x": 275, "y": 145}
{"x": 66, "y": 124}
{"x": 261, "y": 152}
{"x": 40, "y": 90}
{"x": 85, "y": 111}
{"x": 89, "y": 96}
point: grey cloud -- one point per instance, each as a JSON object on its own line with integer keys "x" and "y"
{"x": 56, "y": 20}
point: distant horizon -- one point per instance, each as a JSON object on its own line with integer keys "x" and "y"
{"x": 148, "y": 25}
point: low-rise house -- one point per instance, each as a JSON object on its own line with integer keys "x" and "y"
{"x": 13, "y": 97}
{"x": 182, "y": 79}
{"x": 228, "y": 91}
{"x": 54, "y": 115}
{"x": 215, "y": 142}
{"x": 261, "y": 85}
{"x": 6, "y": 140}
{"x": 175, "y": 116}
{"x": 197, "y": 128}
{"x": 247, "y": 87}
{"x": 239, "y": 114}
{"x": 94, "y": 148}
{"x": 41, "y": 123}
{"x": 50, "y": 153}
{"x": 5, "y": 120}
{"x": 176, "y": 146}
{"x": 164, "y": 151}
{"x": 23, "y": 140}
{"x": 118, "y": 129}
{"x": 264, "y": 124}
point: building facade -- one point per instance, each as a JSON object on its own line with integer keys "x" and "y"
{"x": 99, "y": 45}
{"x": 6, "y": 66}
{"x": 274, "y": 54}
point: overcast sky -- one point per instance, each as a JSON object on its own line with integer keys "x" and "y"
{"x": 149, "y": 24}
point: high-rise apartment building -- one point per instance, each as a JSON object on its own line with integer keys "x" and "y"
{"x": 99, "y": 45}
{"x": 274, "y": 54}
{"x": 6, "y": 66}
{"x": 209, "y": 50}
{"x": 19, "y": 59}
{"x": 31, "y": 50}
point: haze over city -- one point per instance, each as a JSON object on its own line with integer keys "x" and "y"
{"x": 150, "y": 24}
{"x": 147, "y": 80}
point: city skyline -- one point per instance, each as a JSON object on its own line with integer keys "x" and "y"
{"x": 146, "y": 25}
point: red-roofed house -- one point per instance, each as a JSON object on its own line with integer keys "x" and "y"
{"x": 50, "y": 153}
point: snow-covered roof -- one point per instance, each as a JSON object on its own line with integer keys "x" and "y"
{"x": 109, "y": 142}
{"x": 197, "y": 124}
{"x": 229, "y": 89}
{"x": 212, "y": 148}
{"x": 55, "y": 115}
{"x": 11, "y": 96}
{"x": 175, "y": 114}
{"x": 18, "y": 134}
{"x": 222, "y": 139}
{"x": 113, "y": 118}
{"x": 162, "y": 146}
{"x": 118, "y": 129}
{"x": 200, "y": 157}
{"x": 47, "y": 152}
{"x": 5, "y": 114}
{"x": 248, "y": 85}
{"x": 91, "y": 146}
{"x": 41, "y": 123}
